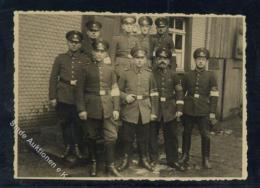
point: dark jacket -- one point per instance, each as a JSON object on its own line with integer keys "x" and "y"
{"x": 65, "y": 69}
{"x": 201, "y": 93}
{"x": 170, "y": 94}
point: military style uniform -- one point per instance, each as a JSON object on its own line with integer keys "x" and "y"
{"x": 121, "y": 47}
{"x": 98, "y": 95}
{"x": 62, "y": 84}
{"x": 164, "y": 40}
{"x": 136, "y": 115}
{"x": 171, "y": 101}
{"x": 145, "y": 41}
{"x": 201, "y": 99}
{"x": 87, "y": 43}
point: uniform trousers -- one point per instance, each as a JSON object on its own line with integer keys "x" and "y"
{"x": 141, "y": 131}
{"x": 69, "y": 122}
{"x": 170, "y": 133}
{"x": 203, "y": 125}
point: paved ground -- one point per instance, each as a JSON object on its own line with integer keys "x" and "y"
{"x": 226, "y": 158}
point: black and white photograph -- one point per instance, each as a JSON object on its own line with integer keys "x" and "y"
{"x": 120, "y": 96}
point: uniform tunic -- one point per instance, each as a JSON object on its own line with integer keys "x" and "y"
{"x": 202, "y": 93}
{"x": 97, "y": 91}
{"x": 142, "y": 84}
{"x": 87, "y": 46}
{"x": 170, "y": 94}
{"x": 120, "y": 51}
{"x": 64, "y": 76}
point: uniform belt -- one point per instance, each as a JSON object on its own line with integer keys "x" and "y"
{"x": 69, "y": 82}
{"x": 99, "y": 93}
{"x": 164, "y": 99}
{"x": 141, "y": 97}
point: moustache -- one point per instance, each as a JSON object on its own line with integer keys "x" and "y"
{"x": 162, "y": 63}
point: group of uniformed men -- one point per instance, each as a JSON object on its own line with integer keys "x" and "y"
{"x": 137, "y": 85}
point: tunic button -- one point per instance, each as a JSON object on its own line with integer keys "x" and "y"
{"x": 72, "y": 72}
{"x": 72, "y": 61}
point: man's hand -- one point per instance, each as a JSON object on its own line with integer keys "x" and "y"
{"x": 153, "y": 117}
{"x": 179, "y": 114}
{"x": 130, "y": 98}
{"x": 53, "y": 102}
{"x": 115, "y": 115}
{"x": 83, "y": 115}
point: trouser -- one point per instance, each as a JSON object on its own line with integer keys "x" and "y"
{"x": 202, "y": 123}
{"x": 170, "y": 133}
{"x": 141, "y": 131}
{"x": 105, "y": 128}
{"x": 69, "y": 122}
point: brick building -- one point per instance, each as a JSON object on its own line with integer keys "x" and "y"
{"x": 42, "y": 37}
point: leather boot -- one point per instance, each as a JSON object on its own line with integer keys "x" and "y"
{"x": 92, "y": 155}
{"x": 112, "y": 171}
{"x": 144, "y": 163}
{"x": 184, "y": 159}
{"x": 124, "y": 164}
{"x": 205, "y": 163}
{"x": 67, "y": 151}
{"x": 77, "y": 151}
{"x": 110, "y": 157}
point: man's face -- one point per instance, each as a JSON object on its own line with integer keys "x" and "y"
{"x": 140, "y": 61}
{"x": 73, "y": 46}
{"x": 201, "y": 62}
{"x": 99, "y": 55}
{"x": 145, "y": 29}
{"x": 162, "y": 62}
{"x": 93, "y": 34}
{"x": 161, "y": 30}
{"x": 127, "y": 27}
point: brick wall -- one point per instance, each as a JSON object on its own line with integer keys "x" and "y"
{"x": 41, "y": 39}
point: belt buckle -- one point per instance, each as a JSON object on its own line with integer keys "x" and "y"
{"x": 139, "y": 97}
{"x": 196, "y": 95}
{"x": 102, "y": 92}
{"x": 162, "y": 99}
{"x": 73, "y": 82}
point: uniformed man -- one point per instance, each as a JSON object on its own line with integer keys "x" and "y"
{"x": 92, "y": 34}
{"x": 144, "y": 39}
{"x": 122, "y": 45}
{"x": 98, "y": 99}
{"x": 199, "y": 104}
{"x": 63, "y": 80}
{"x": 163, "y": 39}
{"x": 170, "y": 108}
{"x": 139, "y": 106}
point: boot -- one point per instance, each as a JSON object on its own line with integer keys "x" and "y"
{"x": 144, "y": 163}
{"x": 93, "y": 169}
{"x": 110, "y": 157}
{"x": 67, "y": 151}
{"x": 112, "y": 171}
{"x": 77, "y": 151}
{"x": 178, "y": 166}
{"x": 92, "y": 153}
{"x": 124, "y": 164}
{"x": 184, "y": 159}
{"x": 205, "y": 163}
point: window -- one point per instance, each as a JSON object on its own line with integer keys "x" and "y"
{"x": 177, "y": 28}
